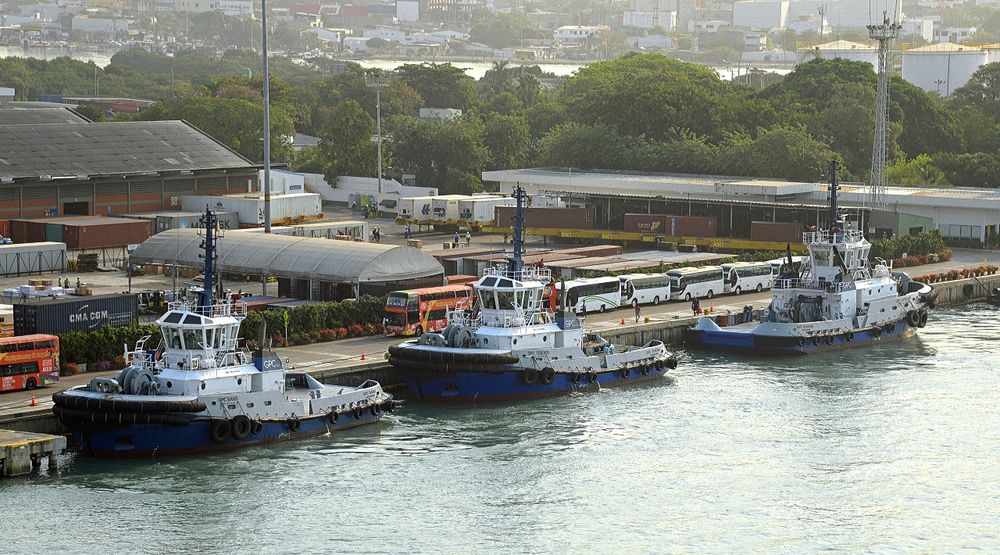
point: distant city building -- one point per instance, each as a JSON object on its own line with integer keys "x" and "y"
{"x": 440, "y": 114}
{"x": 954, "y": 34}
{"x": 650, "y": 42}
{"x": 754, "y": 42}
{"x": 924, "y": 27}
{"x": 578, "y": 33}
{"x": 93, "y": 27}
{"x": 707, "y": 26}
{"x": 665, "y": 19}
{"x": 760, "y": 14}
{"x": 383, "y": 32}
{"x": 407, "y": 10}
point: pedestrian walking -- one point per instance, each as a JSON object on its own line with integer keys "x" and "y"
{"x": 454, "y": 240}
{"x": 354, "y": 208}
{"x": 583, "y": 315}
{"x": 638, "y": 312}
{"x": 468, "y": 239}
{"x": 695, "y": 306}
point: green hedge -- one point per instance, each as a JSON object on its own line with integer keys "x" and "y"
{"x": 925, "y": 243}
{"x": 107, "y": 344}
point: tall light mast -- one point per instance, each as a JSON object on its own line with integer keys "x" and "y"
{"x": 884, "y": 34}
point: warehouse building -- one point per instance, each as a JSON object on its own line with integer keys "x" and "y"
{"x": 53, "y": 163}
{"x": 306, "y": 267}
{"x": 964, "y": 216}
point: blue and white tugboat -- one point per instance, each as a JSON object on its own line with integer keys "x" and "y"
{"x": 200, "y": 391}
{"x": 514, "y": 344}
{"x": 838, "y": 301}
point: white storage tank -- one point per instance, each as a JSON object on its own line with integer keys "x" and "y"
{"x": 943, "y": 67}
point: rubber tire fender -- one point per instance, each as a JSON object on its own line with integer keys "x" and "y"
{"x": 528, "y": 376}
{"x": 547, "y": 376}
{"x": 913, "y": 318}
{"x": 358, "y": 413}
{"x": 294, "y": 424}
{"x": 333, "y": 416}
{"x": 923, "y": 319}
{"x": 220, "y": 430}
{"x": 241, "y": 426}
{"x": 256, "y": 427}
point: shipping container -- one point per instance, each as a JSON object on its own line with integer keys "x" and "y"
{"x": 782, "y": 232}
{"x": 671, "y": 225}
{"x": 249, "y": 208}
{"x": 68, "y": 314}
{"x": 54, "y": 232}
{"x": 27, "y": 231}
{"x": 191, "y": 220}
{"x": 594, "y": 250}
{"x": 4, "y": 228}
{"x": 481, "y": 209}
{"x": 95, "y": 232}
{"x": 32, "y": 258}
{"x": 460, "y": 279}
{"x": 444, "y": 208}
{"x": 561, "y": 218}
{"x": 416, "y": 208}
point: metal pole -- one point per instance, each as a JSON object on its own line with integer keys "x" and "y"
{"x": 378, "y": 132}
{"x": 267, "y": 122}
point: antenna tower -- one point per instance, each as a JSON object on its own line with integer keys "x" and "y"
{"x": 884, "y": 34}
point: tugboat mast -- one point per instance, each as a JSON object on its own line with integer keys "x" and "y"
{"x": 833, "y": 193}
{"x": 515, "y": 266}
{"x": 208, "y": 221}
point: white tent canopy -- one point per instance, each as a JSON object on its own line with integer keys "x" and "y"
{"x": 292, "y": 257}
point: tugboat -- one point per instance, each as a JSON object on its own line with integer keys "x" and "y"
{"x": 199, "y": 391}
{"x": 837, "y": 301}
{"x": 515, "y": 344}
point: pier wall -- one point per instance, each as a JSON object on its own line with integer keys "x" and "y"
{"x": 966, "y": 291}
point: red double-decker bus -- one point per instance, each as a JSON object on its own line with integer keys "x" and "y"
{"x": 414, "y": 311}
{"x": 28, "y": 361}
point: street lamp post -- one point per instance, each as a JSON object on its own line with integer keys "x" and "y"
{"x": 267, "y": 121}
{"x": 377, "y": 81}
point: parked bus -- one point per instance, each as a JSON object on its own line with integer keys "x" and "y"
{"x": 747, "y": 276}
{"x": 639, "y": 289}
{"x": 690, "y": 283}
{"x": 592, "y": 294}
{"x": 414, "y": 311}
{"x": 28, "y": 361}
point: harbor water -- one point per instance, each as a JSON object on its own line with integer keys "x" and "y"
{"x": 889, "y": 448}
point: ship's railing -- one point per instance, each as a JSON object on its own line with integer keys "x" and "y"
{"x": 527, "y": 273}
{"x": 232, "y": 358}
{"x": 140, "y": 358}
{"x": 236, "y": 309}
{"x": 825, "y": 236}
{"x": 827, "y": 286}
{"x": 465, "y": 318}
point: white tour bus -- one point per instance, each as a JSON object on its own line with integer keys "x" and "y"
{"x": 747, "y": 276}
{"x": 592, "y": 294}
{"x": 644, "y": 288}
{"x": 690, "y": 283}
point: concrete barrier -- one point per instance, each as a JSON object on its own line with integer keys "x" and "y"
{"x": 965, "y": 291}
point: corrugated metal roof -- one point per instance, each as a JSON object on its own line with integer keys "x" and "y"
{"x": 844, "y": 45}
{"x": 34, "y": 116}
{"x": 292, "y": 257}
{"x": 114, "y": 148}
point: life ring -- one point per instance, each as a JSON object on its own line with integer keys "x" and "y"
{"x": 528, "y": 376}
{"x": 294, "y": 424}
{"x": 548, "y": 375}
{"x": 256, "y": 427}
{"x": 333, "y": 417}
{"x": 375, "y": 410}
{"x": 575, "y": 377}
{"x": 220, "y": 430}
{"x": 240, "y": 425}
{"x": 358, "y": 411}
{"x": 913, "y": 318}
{"x": 849, "y": 336}
{"x": 923, "y": 319}
{"x": 591, "y": 377}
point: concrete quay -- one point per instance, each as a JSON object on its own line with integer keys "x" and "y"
{"x": 21, "y": 452}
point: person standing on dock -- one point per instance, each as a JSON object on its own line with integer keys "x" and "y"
{"x": 468, "y": 239}
{"x": 638, "y": 312}
{"x": 454, "y": 240}
{"x": 695, "y": 306}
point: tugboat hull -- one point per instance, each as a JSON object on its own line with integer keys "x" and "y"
{"x": 201, "y": 435}
{"x": 755, "y": 343}
{"x": 513, "y": 385}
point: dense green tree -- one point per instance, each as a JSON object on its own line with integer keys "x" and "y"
{"x": 501, "y": 30}
{"x": 506, "y": 139}
{"x": 918, "y": 171}
{"x": 448, "y": 155}
{"x": 440, "y": 85}
{"x": 781, "y": 152}
{"x": 346, "y": 146}
{"x": 978, "y": 169}
{"x": 855, "y": 104}
{"x": 582, "y": 146}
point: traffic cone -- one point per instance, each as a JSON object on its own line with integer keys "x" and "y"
{"x": 33, "y": 401}
{"x": 623, "y": 321}
{"x": 362, "y": 355}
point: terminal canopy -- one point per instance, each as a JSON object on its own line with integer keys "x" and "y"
{"x": 292, "y": 257}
